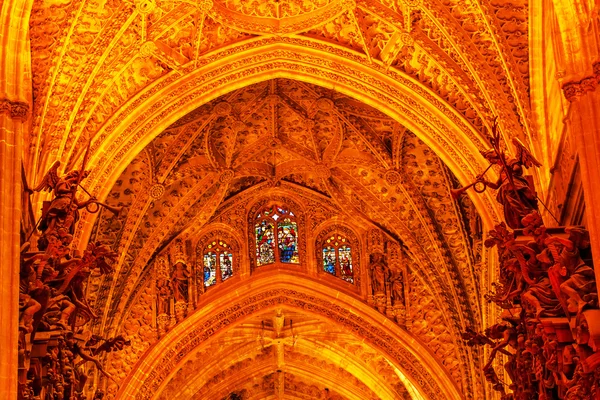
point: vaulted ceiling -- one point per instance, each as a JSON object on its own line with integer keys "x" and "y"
{"x": 336, "y": 159}
{"x": 96, "y": 63}
{"x": 361, "y": 111}
{"x": 258, "y": 360}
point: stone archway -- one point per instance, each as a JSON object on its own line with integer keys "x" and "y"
{"x": 140, "y": 120}
{"x": 277, "y": 290}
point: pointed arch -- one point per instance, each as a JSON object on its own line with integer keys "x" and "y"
{"x": 139, "y": 121}
{"x": 338, "y": 252}
{"x": 270, "y": 291}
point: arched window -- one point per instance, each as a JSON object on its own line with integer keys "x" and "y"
{"x": 276, "y": 233}
{"x": 217, "y": 262}
{"x": 337, "y": 257}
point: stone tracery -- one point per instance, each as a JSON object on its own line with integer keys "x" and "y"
{"x": 363, "y": 114}
{"x": 320, "y": 145}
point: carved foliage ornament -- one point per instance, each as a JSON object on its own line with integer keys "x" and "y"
{"x": 574, "y": 90}
{"x": 16, "y": 109}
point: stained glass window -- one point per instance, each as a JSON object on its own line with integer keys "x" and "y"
{"x": 345, "y": 258}
{"x": 288, "y": 241}
{"x": 210, "y": 269}
{"x": 265, "y": 243}
{"x": 329, "y": 259}
{"x": 226, "y": 265}
{"x": 282, "y": 247}
{"x": 218, "y": 262}
{"x": 337, "y": 258}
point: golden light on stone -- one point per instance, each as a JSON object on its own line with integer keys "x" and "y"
{"x": 268, "y": 211}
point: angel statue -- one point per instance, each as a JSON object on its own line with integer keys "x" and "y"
{"x": 515, "y": 191}
{"x": 60, "y": 215}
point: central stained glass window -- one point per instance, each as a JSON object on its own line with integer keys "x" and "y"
{"x": 276, "y": 233}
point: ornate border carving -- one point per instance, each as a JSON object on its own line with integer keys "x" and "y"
{"x": 16, "y": 109}
{"x": 150, "y": 377}
{"x": 574, "y": 90}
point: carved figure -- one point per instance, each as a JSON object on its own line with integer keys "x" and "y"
{"x": 378, "y": 273}
{"x": 61, "y": 213}
{"x": 52, "y": 295}
{"x": 180, "y": 282}
{"x": 515, "y": 191}
{"x": 61, "y": 305}
{"x": 165, "y": 292}
{"x": 580, "y": 283}
{"x": 397, "y": 289}
{"x": 75, "y": 271}
{"x": 28, "y": 307}
{"x": 108, "y": 345}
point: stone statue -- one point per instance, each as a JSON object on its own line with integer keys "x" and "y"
{"x": 180, "y": 282}
{"x": 515, "y": 191}
{"x": 164, "y": 292}
{"x": 397, "y": 289}
{"x": 378, "y": 273}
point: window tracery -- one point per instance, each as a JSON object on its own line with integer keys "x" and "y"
{"x": 217, "y": 259}
{"x": 337, "y": 257}
{"x": 338, "y": 253}
{"x": 276, "y": 236}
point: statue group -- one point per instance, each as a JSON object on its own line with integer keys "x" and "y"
{"x": 53, "y": 306}
{"x": 548, "y": 334}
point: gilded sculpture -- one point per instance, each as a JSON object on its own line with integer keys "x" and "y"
{"x": 53, "y": 301}
{"x": 515, "y": 191}
{"x": 549, "y": 296}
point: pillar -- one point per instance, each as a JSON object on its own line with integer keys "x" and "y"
{"x": 15, "y": 97}
{"x": 584, "y": 121}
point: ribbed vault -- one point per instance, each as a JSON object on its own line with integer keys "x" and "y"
{"x": 295, "y": 325}
{"x": 360, "y": 114}
{"x": 328, "y": 157}
{"x": 258, "y": 356}
{"x": 119, "y": 74}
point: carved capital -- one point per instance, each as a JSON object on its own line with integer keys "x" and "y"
{"x": 573, "y": 90}
{"x": 16, "y": 109}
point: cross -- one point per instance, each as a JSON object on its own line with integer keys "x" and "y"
{"x": 278, "y": 342}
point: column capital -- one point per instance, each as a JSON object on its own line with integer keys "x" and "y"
{"x": 573, "y": 90}
{"x": 16, "y": 109}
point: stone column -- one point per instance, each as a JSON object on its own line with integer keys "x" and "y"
{"x": 11, "y": 131}
{"x": 584, "y": 120}
{"x": 15, "y": 89}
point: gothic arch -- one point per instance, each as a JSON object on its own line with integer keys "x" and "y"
{"x": 214, "y": 229}
{"x": 135, "y": 124}
{"x": 278, "y": 289}
{"x": 231, "y": 241}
